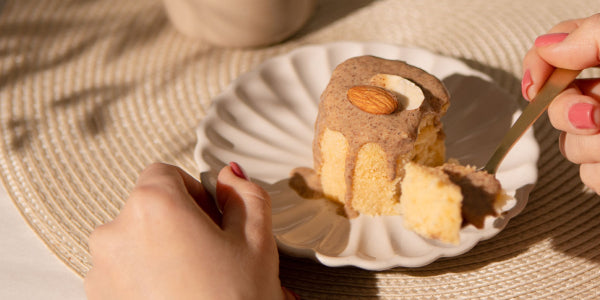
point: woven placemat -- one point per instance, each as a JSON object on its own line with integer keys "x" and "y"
{"x": 93, "y": 91}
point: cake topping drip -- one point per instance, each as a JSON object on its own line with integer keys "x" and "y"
{"x": 395, "y": 132}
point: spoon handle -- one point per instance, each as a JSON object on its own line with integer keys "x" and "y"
{"x": 558, "y": 81}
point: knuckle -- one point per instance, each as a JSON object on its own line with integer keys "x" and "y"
{"x": 554, "y": 115}
{"x": 581, "y": 148}
{"x": 137, "y": 205}
{"x": 258, "y": 230}
{"x": 260, "y": 198}
{"x": 151, "y": 203}
{"x": 157, "y": 171}
{"x": 149, "y": 198}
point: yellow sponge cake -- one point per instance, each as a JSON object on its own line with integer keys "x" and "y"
{"x": 437, "y": 202}
{"x": 431, "y": 203}
{"x": 374, "y": 116}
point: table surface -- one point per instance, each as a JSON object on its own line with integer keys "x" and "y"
{"x": 28, "y": 270}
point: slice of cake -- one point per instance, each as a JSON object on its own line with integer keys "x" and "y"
{"x": 374, "y": 116}
{"x": 437, "y": 202}
{"x": 379, "y": 149}
{"x": 431, "y": 203}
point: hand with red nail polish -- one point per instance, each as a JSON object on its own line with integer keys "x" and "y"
{"x": 572, "y": 44}
{"x": 170, "y": 241}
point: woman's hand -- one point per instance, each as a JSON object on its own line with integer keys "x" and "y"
{"x": 171, "y": 242}
{"x": 575, "y": 45}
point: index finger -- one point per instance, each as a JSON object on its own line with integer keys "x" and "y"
{"x": 561, "y": 47}
{"x": 174, "y": 180}
{"x": 578, "y": 50}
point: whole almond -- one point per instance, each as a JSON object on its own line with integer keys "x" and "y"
{"x": 372, "y": 99}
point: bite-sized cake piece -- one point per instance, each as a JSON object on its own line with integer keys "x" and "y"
{"x": 437, "y": 202}
{"x": 375, "y": 116}
{"x": 431, "y": 203}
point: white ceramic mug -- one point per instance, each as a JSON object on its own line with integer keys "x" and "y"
{"x": 239, "y": 23}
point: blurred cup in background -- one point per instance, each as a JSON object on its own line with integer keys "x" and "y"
{"x": 239, "y": 23}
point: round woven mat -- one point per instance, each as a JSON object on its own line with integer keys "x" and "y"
{"x": 93, "y": 91}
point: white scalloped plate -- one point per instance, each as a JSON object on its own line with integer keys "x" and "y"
{"x": 264, "y": 121}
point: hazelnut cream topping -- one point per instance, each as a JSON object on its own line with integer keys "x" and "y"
{"x": 337, "y": 113}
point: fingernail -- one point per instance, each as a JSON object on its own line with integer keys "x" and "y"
{"x": 526, "y": 82}
{"x": 238, "y": 171}
{"x": 549, "y": 39}
{"x": 582, "y": 116}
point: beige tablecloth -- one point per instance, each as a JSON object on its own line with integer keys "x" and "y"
{"x": 93, "y": 91}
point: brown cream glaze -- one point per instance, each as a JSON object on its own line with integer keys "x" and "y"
{"x": 479, "y": 189}
{"x": 395, "y": 133}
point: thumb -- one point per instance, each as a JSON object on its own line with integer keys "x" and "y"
{"x": 246, "y": 206}
{"x": 576, "y": 48}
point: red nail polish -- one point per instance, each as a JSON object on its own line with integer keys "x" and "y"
{"x": 237, "y": 170}
{"x": 549, "y": 39}
{"x": 526, "y": 82}
{"x": 582, "y": 116}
